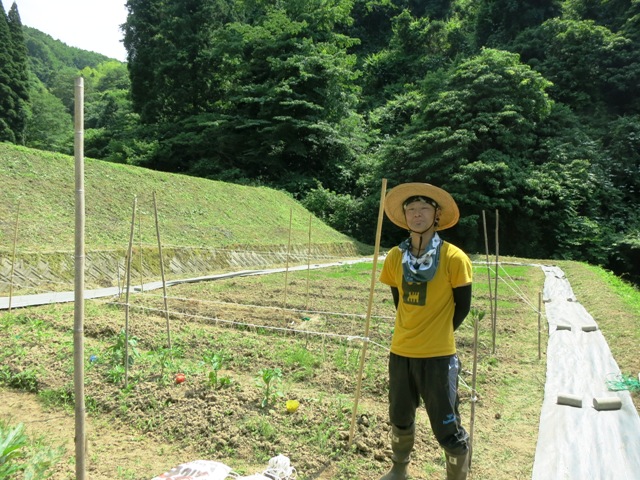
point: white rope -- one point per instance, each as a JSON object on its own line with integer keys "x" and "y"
{"x": 349, "y": 338}
{"x": 518, "y": 291}
{"x": 269, "y": 307}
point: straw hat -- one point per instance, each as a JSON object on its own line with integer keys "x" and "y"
{"x": 394, "y": 208}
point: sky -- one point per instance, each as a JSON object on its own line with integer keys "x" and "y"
{"x": 92, "y": 25}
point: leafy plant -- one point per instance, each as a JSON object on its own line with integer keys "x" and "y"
{"x": 215, "y": 361}
{"x": 12, "y": 441}
{"x": 116, "y": 374}
{"x": 18, "y": 454}
{"x": 163, "y": 358}
{"x": 117, "y": 351}
{"x": 268, "y": 379}
{"x": 26, "y": 380}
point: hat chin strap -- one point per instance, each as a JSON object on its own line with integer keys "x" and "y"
{"x": 422, "y": 233}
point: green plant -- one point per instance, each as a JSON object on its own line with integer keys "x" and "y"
{"x": 60, "y": 397}
{"x": 163, "y": 358}
{"x": 12, "y": 442}
{"x": 116, "y": 374}
{"x": 215, "y": 361}
{"x": 118, "y": 350}
{"x": 18, "y": 454}
{"x": 267, "y": 379}
{"x": 26, "y": 380}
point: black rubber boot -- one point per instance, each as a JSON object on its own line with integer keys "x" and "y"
{"x": 401, "y": 445}
{"x": 457, "y": 466}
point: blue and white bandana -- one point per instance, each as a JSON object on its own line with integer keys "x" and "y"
{"x": 423, "y": 268}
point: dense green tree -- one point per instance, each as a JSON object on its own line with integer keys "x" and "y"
{"x": 592, "y": 69}
{"x": 475, "y": 136}
{"x": 8, "y": 98}
{"x": 20, "y": 82}
{"x": 167, "y": 44}
{"x": 14, "y": 87}
{"x": 609, "y": 13}
{"x": 50, "y": 125}
{"x": 279, "y": 103}
{"x": 417, "y": 47}
{"x": 622, "y": 164}
{"x": 500, "y": 21}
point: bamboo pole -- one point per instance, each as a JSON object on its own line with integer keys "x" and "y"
{"x": 286, "y": 271}
{"x": 308, "y": 263}
{"x": 369, "y": 308}
{"x": 486, "y": 249}
{"x": 477, "y": 316}
{"x": 164, "y": 283}
{"x": 495, "y": 299}
{"x": 13, "y": 258}
{"x": 126, "y": 304}
{"x": 140, "y": 256}
{"x": 119, "y": 283}
{"x": 78, "y": 313}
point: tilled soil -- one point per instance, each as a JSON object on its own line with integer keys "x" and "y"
{"x": 142, "y": 423}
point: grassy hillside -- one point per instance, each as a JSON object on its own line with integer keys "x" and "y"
{"x": 193, "y": 212}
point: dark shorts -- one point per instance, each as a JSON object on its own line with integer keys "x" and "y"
{"x": 435, "y": 381}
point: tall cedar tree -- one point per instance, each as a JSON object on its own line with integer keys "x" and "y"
{"x": 20, "y": 83}
{"x": 9, "y": 99}
{"x": 167, "y": 45}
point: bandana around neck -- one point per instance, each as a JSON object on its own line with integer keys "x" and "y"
{"x": 423, "y": 268}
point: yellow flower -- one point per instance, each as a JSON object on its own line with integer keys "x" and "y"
{"x": 292, "y": 405}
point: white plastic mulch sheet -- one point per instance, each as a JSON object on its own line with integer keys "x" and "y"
{"x": 581, "y": 443}
{"x": 198, "y": 469}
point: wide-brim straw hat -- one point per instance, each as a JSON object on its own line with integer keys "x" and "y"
{"x": 395, "y": 198}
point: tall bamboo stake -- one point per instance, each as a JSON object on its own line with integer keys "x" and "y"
{"x": 126, "y": 303}
{"x": 495, "y": 300}
{"x": 140, "y": 256}
{"x": 486, "y": 249}
{"x": 308, "y": 263}
{"x": 78, "y": 313}
{"x": 477, "y": 316}
{"x": 369, "y": 307}
{"x": 164, "y": 283}
{"x": 13, "y": 258}
{"x": 286, "y": 271}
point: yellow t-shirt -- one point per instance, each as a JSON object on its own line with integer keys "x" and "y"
{"x": 424, "y": 318}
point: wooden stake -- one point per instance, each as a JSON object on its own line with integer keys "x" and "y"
{"x": 126, "y": 304}
{"x": 286, "y": 271}
{"x": 13, "y": 258}
{"x": 140, "y": 241}
{"x": 486, "y": 249}
{"x": 308, "y": 264}
{"x": 477, "y": 316}
{"x": 495, "y": 299}
{"x": 164, "y": 283}
{"x": 78, "y": 314}
{"x": 369, "y": 308}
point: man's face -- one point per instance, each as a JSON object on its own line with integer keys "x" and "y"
{"x": 420, "y": 215}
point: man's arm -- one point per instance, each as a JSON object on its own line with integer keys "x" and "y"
{"x": 462, "y": 299}
{"x": 396, "y": 296}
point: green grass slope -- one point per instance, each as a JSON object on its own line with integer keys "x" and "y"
{"x": 38, "y": 189}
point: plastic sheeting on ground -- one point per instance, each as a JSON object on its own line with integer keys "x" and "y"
{"x": 581, "y": 443}
{"x": 279, "y": 469}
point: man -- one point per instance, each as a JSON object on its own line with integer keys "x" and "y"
{"x": 430, "y": 281}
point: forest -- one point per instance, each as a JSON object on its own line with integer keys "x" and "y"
{"x": 527, "y": 112}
